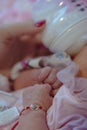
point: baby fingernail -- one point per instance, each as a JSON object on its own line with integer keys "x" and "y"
{"x": 39, "y": 24}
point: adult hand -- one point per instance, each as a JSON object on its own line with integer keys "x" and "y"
{"x": 30, "y": 35}
{"x": 18, "y": 45}
{"x": 38, "y": 94}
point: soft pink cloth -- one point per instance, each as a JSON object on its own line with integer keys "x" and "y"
{"x": 14, "y": 17}
{"x": 9, "y": 100}
{"x": 12, "y": 11}
{"x": 69, "y": 109}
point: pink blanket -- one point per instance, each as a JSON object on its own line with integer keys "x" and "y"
{"x": 12, "y": 11}
{"x": 69, "y": 108}
{"x": 14, "y": 17}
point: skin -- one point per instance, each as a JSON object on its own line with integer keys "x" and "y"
{"x": 80, "y": 60}
{"x": 48, "y": 74}
{"x": 12, "y": 45}
{"x": 35, "y": 120}
{"x": 40, "y": 76}
{"x": 15, "y": 48}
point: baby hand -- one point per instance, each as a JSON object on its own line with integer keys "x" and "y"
{"x": 37, "y": 76}
{"x": 48, "y": 75}
{"x": 38, "y": 94}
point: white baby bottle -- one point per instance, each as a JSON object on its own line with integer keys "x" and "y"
{"x": 66, "y": 28}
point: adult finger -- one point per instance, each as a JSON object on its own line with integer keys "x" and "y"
{"x": 21, "y": 29}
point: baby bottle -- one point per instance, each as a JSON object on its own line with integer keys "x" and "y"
{"x": 66, "y": 28}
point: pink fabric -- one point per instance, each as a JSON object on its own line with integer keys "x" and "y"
{"x": 12, "y": 11}
{"x": 14, "y": 17}
{"x": 69, "y": 109}
{"x": 9, "y": 100}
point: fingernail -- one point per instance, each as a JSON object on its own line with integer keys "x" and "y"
{"x": 39, "y": 24}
